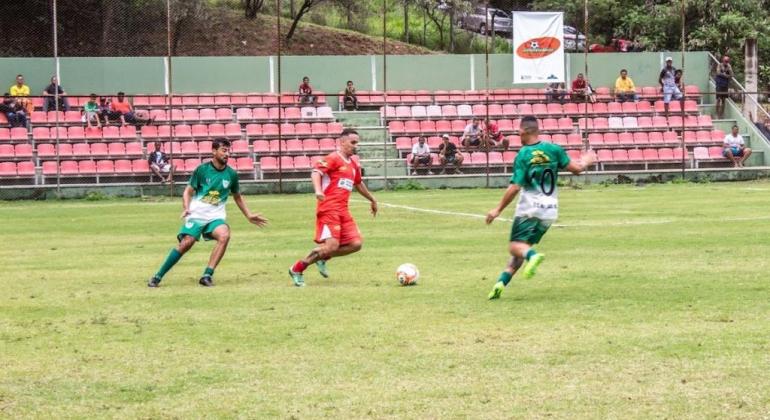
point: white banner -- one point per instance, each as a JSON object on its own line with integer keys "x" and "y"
{"x": 538, "y": 47}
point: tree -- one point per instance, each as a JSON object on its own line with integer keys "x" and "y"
{"x": 252, "y": 7}
{"x": 432, "y": 9}
{"x": 303, "y": 8}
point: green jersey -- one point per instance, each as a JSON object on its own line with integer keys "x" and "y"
{"x": 212, "y": 188}
{"x": 536, "y": 170}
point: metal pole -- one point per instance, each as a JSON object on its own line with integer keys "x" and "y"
{"x": 681, "y": 104}
{"x": 56, "y": 97}
{"x": 280, "y": 122}
{"x": 486, "y": 81}
{"x": 385, "y": 85}
{"x": 586, "y": 146}
{"x": 169, "y": 96}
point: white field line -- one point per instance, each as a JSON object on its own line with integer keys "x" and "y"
{"x": 571, "y": 225}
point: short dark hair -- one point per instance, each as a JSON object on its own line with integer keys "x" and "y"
{"x": 529, "y": 122}
{"x": 121, "y": 94}
{"x": 350, "y": 81}
{"x": 736, "y": 126}
{"x": 422, "y": 138}
{"x": 19, "y": 75}
{"x": 624, "y": 71}
{"x": 348, "y": 131}
{"x": 93, "y": 96}
{"x": 220, "y": 142}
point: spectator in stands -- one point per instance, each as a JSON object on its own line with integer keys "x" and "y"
{"x": 421, "y": 156}
{"x": 472, "y": 134}
{"x": 105, "y": 111}
{"x": 21, "y": 92}
{"x": 448, "y": 155}
{"x": 625, "y": 90}
{"x": 306, "y": 92}
{"x": 678, "y": 79}
{"x": 735, "y": 148}
{"x": 667, "y": 80}
{"x": 581, "y": 90}
{"x": 350, "y": 100}
{"x": 13, "y": 111}
{"x": 91, "y": 112}
{"x": 494, "y": 137}
{"x": 120, "y": 108}
{"x": 764, "y": 128}
{"x": 159, "y": 164}
{"x": 722, "y": 81}
{"x": 49, "y": 97}
{"x": 555, "y": 92}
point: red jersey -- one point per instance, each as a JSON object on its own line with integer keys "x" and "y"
{"x": 339, "y": 178}
{"x": 578, "y": 84}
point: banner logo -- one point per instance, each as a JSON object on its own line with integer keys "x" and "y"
{"x": 538, "y": 47}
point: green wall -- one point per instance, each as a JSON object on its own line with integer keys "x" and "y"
{"x": 328, "y": 73}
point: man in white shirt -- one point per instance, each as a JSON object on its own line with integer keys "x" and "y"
{"x": 735, "y": 148}
{"x": 472, "y": 134}
{"x": 421, "y": 156}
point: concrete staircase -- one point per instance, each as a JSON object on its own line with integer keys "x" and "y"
{"x": 378, "y": 154}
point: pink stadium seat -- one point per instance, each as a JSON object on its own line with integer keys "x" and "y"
{"x": 189, "y": 148}
{"x": 507, "y": 126}
{"x": 204, "y": 147}
{"x": 449, "y": 111}
{"x": 629, "y": 108}
{"x": 334, "y": 128}
{"x": 478, "y": 158}
{"x": 134, "y": 149}
{"x": 635, "y": 155}
{"x": 114, "y": 149}
{"x": 65, "y": 149}
{"x": 644, "y": 107}
{"x": 111, "y": 132}
{"x": 46, "y": 150}
{"x": 641, "y": 138}
{"x": 717, "y": 136}
{"x": 277, "y": 146}
{"x": 182, "y": 131}
{"x": 93, "y": 133}
{"x": 554, "y": 110}
{"x": 680, "y": 153}
{"x": 650, "y": 154}
{"x": 261, "y": 146}
{"x": 38, "y": 117}
{"x": 191, "y": 164}
{"x": 509, "y": 156}
{"x": 496, "y": 158}
{"x": 270, "y": 129}
{"x": 574, "y": 139}
{"x": 76, "y": 133}
{"x": 287, "y": 129}
{"x": 215, "y": 130}
{"x": 286, "y": 163}
{"x": 243, "y": 114}
{"x": 550, "y": 124}
{"x": 6, "y": 151}
{"x": 302, "y": 129}
{"x": 585, "y": 123}
{"x": 457, "y": 126}
{"x": 294, "y": 146}
{"x": 704, "y": 121}
{"x": 206, "y": 100}
{"x": 205, "y": 114}
{"x": 49, "y": 168}
{"x": 198, "y": 130}
{"x": 5, "y": 133}
{"x": 626, "y": 138}
{"x": 105, "y": 167}
{"x": 715, "y": 152}
{"x": 689, "y": 137}
{"x": 404, "y": 143}
{"x": 7, "y": 168}
{"x": 268, "y": 163}
{"x": 560, "y": 139}
{"x": 565, "y": 124}
{"x": 224, "y": 114}
{"x": 237, "y": 146}
{"x": 644, "y": 123}
{"x": 670, "y": 137}
{"x": 427, "y": 127}
{"x": 665, "y": 154}
{"x": 619, "y": 155}
{"x": 615, "y": 108}
{"x": 140, "y": 166}
{"x": 123, "y": 166}
{"x": 86, "y": 167}
{"x": 691, "y": 121}
{"x": 189, "y": 115}
{"x": 302, "y": 163}
{"x": 396, "y": 127}
{"x": 604, "y": 155}
{"x": 149, "y": 132}
{"x": 254, "y": 130}
{"x": 700, "y": 153}
{"x": 99, "y": 149}
{"x": 525, "y": 109}
{"x": 659, "y": 122}
{"x": 412, "y": 127}
{"x": 81, "y": 149}
{"x": 603, "y": 124}
{"x": 595, "y": 139}
{"x": 310, "y": 146}
{"x": 25, "y": 168}
{"x": 655, "y": 137}
{"x": 611, "y": 139}
{"x": 327, "y": 144}
{"x": 233, "y": 130}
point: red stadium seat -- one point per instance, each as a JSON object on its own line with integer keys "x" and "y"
{"x": 619, "y": 155}
{"x": 191, "y": 164}
{"x": 244, "y": 164}
{"x": 25, "y": 168}
{"x": 86, "y": 167}
{"x": 199, "y": 130}
{"x": 111, "y": 132}
{"x": 81, "y": 149}
{"x": 134, "y": 149}
{"x": 233, "y": 130}
{"x": 206, "y": 114}
{"x": 99, "y": 149}
{"x": 302, "y": 162}
{"x": 699, "y": 153}
{"x": 611, "y": 139}
{"x": 310, "y": 146}
{"x": 665, "y": 154}
{"x": 294, "y": 146}
{"x": 46, "y": 150}
{"x": 650, "y": 154}
{"x": 239, "y": 146}
{"x": 6, "y": 151}
{"x": 123, "y": 166}
{"x": 327, "y": 144}
{"x": 189, "y": 148}
{"x": 215, "y": 130}
{"x": 641, "y": 138}
{"x": 261, "y": 146}
{"x": 8, "y": 169}
{"x": 635, "y": 155}
{"x": 604, "y": 155}
{"x": 268, "y": 163}
{"x": 114, "y": 149}
{"x": 105, "y": 167}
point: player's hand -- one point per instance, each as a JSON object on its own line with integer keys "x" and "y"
{"x": 589, "y": 158}
{"x": 185, "y": 213}
{"x": 320, "y": 196}
{"x": 492, "y": 215}
{"x": 257, "y": 219}
{"x": 373, "y": 205}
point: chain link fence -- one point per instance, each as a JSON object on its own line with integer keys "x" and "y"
{"x": 113, "y": 82}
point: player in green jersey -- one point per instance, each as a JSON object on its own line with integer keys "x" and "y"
{"x": 204, "y": 214}
{"x": 535, "y": 174}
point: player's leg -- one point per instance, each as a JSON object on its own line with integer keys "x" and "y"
{"x": 328, "y": 230}
{"x": 186, "y": 241}
{"x": 728, "y": 153}
{"x": 220, "y": 232}
{"x": 746, "y": 154}
{"x": 443, "y": 161}
{"x": 505, "y": 276}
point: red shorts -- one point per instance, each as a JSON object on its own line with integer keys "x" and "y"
{"x": 337, "y": 225}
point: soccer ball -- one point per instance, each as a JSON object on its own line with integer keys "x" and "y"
{"x": 534, "y": 45}
{"x": 407, "y": 274}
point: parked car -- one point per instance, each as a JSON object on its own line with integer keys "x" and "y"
{"x": 481, "y": 17}
{"x": 573, "y": 39}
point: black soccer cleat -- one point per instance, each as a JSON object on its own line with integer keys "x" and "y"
{"x": 206, "y": 281}
{"x": 154, "y": 282}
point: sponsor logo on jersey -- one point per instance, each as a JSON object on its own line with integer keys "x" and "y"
{"x": 188, "y": 225}
{"x": 538, "y": 47}
{"x": 539, "y": 158}
{"x": 225, "y": 183}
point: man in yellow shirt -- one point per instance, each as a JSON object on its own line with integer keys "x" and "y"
{"x": 625, "y": 90}
{"x": 21, "y": 92}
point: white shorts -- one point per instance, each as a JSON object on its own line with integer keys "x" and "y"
{"x": 166, "y": 167}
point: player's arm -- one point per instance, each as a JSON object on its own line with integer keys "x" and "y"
{"x": 508, "y": 197}
{"x": 186, "y": 198}
{"x": 254, "y": 218}
{"x": 315, "y": 177}
{"x": 583, "y": 164}
{"x": 361, "y": 188}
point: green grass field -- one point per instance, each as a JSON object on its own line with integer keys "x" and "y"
{"x": 654, "y": 302}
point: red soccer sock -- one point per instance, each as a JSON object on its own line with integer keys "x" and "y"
{"x": 299, "y": 266}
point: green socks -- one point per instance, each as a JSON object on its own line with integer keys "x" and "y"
{"x": 505, "y": 278}
{"x": 531, "y": 253}
{"x": 208, "y": 271}
{"x": 173, "y": 258}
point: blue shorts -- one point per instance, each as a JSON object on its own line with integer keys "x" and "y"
{"x": 736, "y": 151}
{"x": 669, "y": 92}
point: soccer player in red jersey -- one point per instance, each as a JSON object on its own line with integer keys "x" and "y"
{"x": 334, "y": 177}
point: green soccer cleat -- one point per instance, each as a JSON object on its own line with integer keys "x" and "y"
{"x": 297, "y": 278}
{"x": 532, "y": 264}
{"x": 496, "y": 291}
{"x": 321, "y": 264}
